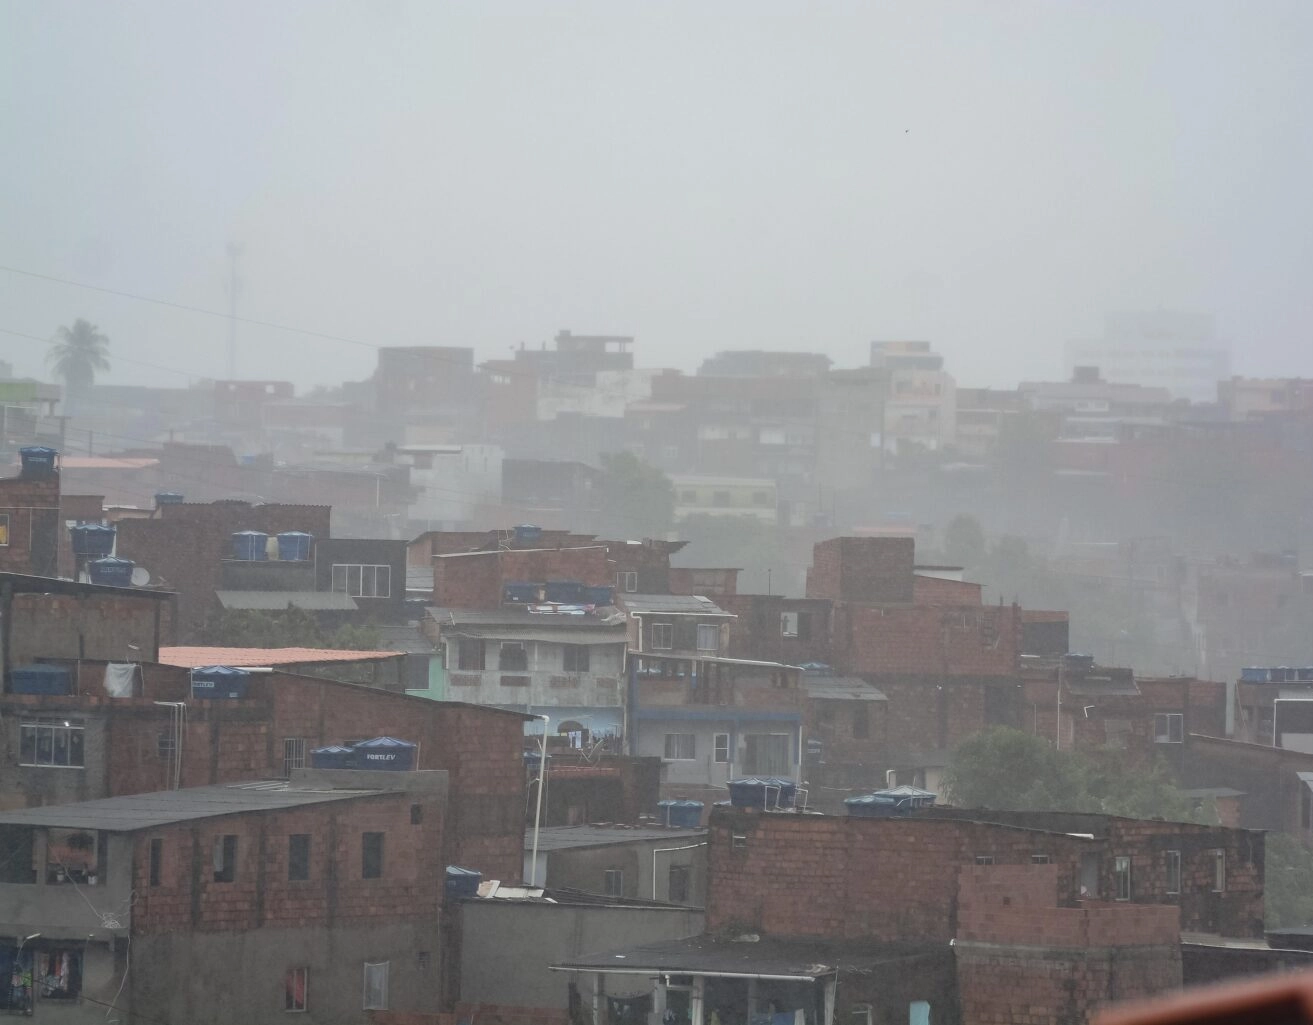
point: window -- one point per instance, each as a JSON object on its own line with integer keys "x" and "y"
{"x": 298, "y": 857}
{"x": 469, "y": 654}
{"x": 293, "y": 755}
{"x": 861, "y": 1014}
{"x": 1039, "y": 859}
{"x": 362, "y": 581}
{"x": 58, "y": 972}
{"x": 295, "y": 983}
{"x": 627, "y": 581}
{"x": 720, "y": 498}
{"x": 861, "y": 721}
{"x": 788, "y": 624}
{"x": 166, "y": 745}
{"x": 680, "y": 747}
{"x": 416, "y": 814}
{"x": 1173, "y": 871}
{"x": 677, "y": 886}
{"x": 376, "y": 986}
{"x": 614, "y": 883}
{"x": 662, "y": 636}
{"x": 52, "y": 742}
{"x": 513, "y": 656}
{"x": 1121, "y": 878}
{"x": 225, "y": 858}
{"x": 156, "y": 861}
{"x": 1168, "y": 727}
{"x": 708, "y": 637}
{"x": 918, "y": 1012}
{"x": 1219, "y": 871}
{"x": 423, "y": 960}
{"x": 721, "y": 756}
{"x": 761, "y": 498}
{"x": 739, "y": 842}
{"x": 984, "y": 859}
{"x": 4, "y": 530}
{"x": 766, "y": 754}
{"x": 371, "y": 855}
{"x": 574, "y": 659}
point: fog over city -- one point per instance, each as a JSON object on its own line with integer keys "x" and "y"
{"x": 740, "y": 175}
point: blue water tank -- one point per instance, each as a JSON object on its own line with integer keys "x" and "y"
{"x": 1305, "y": 673}
{"x": 599, "y": 595}
{"x": 40, "y": 679}
{"x": 386, "y": 753}
{"x": 870, "y": 806}
{"x": 682, "y": 814}
{"x": 115, "y": 572}
{"x": 294, "y": 546}
{"x": 219, "y": 682}
{"x": 461, "y": 882}
{"x": 1254, "y": 674}
{"x": 565, "y": 592}
{"x": 762, "y": 792}
{"x": 908, "y": 798}
{"x": 528, "y": 534}
{"x": 92, "y": 539}
{"x": 37, "y": 460}
{"x": 168, "y": 498}
{"x": 251, "y": 546}
{"x": 1075, "y": 660}
{"x": 335, "y": 756}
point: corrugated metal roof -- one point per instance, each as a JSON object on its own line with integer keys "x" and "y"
{"x": 702, "y": 955}
{"x": 147, "y": 811}
{"x": 312, "y": 601}
{"x": 519, "y": 615}
{"x": 192, "y": 657}
{"x": 672, "y": 604}
{"x": 560, "y": 838}
{"x": 846, "y": 688}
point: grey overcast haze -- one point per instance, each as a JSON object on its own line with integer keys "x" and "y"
{"x": 992, "y": 177}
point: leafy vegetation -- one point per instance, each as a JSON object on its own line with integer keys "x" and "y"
{"x": 635, "y": 498}
{"x": 1010, "y": 770}
{"x": 78, "y": 353}
{"x": 1287, "y": 882}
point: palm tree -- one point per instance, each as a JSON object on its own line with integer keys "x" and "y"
{"x": 77, "y": 352}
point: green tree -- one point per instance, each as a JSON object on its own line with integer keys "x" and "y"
{"x": 1287, "y": 882}
{"x": 1010, "y": 770}
{"x": 635, "y": 499}
{"x": 964, "y": 541}
{"x": 289, "y": 628}
{"x": 77, "y": 353}
{"x": 745, "y": 542}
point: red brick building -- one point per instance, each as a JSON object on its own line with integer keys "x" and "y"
{"x": 29, "y": 523}
{"x": 183, "y": 546}
{"x": 233, "y": 902}
{"x": 119, "y": 746}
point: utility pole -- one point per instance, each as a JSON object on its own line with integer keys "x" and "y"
{"x": 234, "y": 289}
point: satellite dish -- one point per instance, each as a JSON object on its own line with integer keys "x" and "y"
{"x": 140, "y": 576}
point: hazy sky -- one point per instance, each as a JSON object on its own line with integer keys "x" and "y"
{"x": 990, "y": 176}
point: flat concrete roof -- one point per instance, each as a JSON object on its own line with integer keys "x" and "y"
{"x": 560, "y": 838}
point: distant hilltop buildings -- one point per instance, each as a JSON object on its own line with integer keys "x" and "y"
{"x": 1177, "y": 351}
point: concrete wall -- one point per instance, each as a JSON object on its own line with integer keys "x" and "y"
{"x": 494, "y": 934}
{"x": 549, "y": 683}
{"x": 219, "y": 978}
{"x": 584, "y": 868}
{"x": 52, "y": 626}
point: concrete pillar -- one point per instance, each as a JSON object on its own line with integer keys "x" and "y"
{"x": 697, "y": 1000}
{"x": 658, "y": 1001}
{"x": 599, "y": 998}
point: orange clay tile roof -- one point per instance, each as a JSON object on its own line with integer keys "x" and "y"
{"x": 191, "y": 658}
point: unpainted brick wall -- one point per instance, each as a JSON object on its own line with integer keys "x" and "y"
{"x": 862, "y": 569}
{"x": 32, "y": 505}
{"x": 183, "y": 546}
{"x": 476, "y": 581}
{"x": 260, "y": 895}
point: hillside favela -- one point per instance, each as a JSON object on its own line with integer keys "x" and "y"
{"x": 686, "y": 515}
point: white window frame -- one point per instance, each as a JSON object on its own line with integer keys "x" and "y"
{"x": 861, "y": 1014}
{"x": 1219, "y": 870}
{"x": 626, "y": 581}
{"x": 1173, "y": 871}
{"x": 576, "y": 650}
{"x": 720, "y": 749}
{"x": 293, "y": 755}
{"x": 613, "y": 882}
{"x": 678, "y": 745}
{"x": 66, "y": 727}
{"x": 1169, "y": 727}
{"x": 984, "y": 859}
{"x": 304, "y": 973}
{"x": 665, "y": 631}
{"x": 377, "y": 1000}
{"x": 711, "y": 632}
{"x": 362, "y": 580}
{"x": 1121, "y": 877}
{"x": 788, "y": 624}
